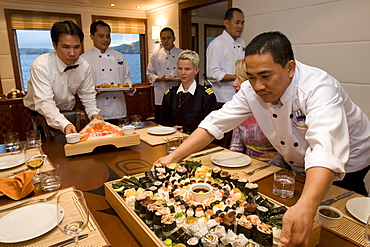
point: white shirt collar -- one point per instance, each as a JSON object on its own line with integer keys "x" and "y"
{"x": 191, "y": 89}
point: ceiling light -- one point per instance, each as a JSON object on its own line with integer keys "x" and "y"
{"x": 112, "y": 4}
{"x": 138, "y": 7}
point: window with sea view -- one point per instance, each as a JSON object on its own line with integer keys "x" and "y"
{"x": 32, "y": 43}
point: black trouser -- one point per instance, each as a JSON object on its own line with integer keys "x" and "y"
{"x": 354, "y": 181}
{"x": 157, "y": 114}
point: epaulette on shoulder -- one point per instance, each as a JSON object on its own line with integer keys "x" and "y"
{"x": 165, "y": 93}
{"x": 209, "y": 90}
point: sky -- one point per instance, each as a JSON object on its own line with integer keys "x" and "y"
{"x": 28, "y": 39}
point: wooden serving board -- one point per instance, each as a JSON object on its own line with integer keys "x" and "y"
{"x": 88, "y": 146}
{"x": 147, "y": 237}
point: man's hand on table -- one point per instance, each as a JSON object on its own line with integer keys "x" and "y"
{"x": 298, "y": 220}
{"x": 297, "y": 225}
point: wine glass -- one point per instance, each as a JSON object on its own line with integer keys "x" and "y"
{"x": 35, "y": 159}
{"x": 72, "y": 213}
{"x": 367, "y": 232}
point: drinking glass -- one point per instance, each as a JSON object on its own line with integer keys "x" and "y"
{"x": 136, "y": 121}
{"x": 72, "y": 213}
{"x": 51, "y": 180}
{"x": 172, "y": 144}
{"x": 35, "y": 160}
{"x": 11, "y": 141}
{"x": 123, "y": 122}
{"x": 284, "y": 181}
{"x": 34, "y": 137}
{"x": 367, "y": 232}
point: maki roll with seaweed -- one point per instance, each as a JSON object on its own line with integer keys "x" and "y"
{"x": 263, "y": 235}
{"x": 262, "y": 212}
{"x": 225, "y": 175}
{"x": 168, "y": 224}
{"x": 278, "y": 210}
{"x": 193, "y": 242}
{"x": 209, "y": 240}
{"x": 244, "y": 226}
{"x": 266, "y": 203}
{"x": 250, "y": 188}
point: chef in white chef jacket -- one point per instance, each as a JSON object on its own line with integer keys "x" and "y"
{"x": 306, "y": 115}
{"x": 223, "y": 52}
{"x": 108, "y": 66}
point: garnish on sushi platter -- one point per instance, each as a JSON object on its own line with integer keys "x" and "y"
{"x": 190, "y": 204}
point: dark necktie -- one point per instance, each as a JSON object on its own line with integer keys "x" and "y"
{"x": 70, "y": 67}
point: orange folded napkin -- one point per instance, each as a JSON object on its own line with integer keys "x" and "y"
{"x": 17, "y": 187}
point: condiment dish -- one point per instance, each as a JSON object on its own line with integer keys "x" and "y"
{"x": 329, "y": 216}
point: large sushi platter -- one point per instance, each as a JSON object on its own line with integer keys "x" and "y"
{"x": 100, "y": 133}
{"x": 190, "y": 204}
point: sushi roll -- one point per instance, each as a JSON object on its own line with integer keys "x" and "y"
{"x": 229, "y": 238}
{"x": 193, "y": 242}
{"x": 241, "y": 183}
{"x": 168, "y": 224}
{"x": 181, "y": 170}
{"x": 139, "y": 197}
{"x": 258, "y": 199}
{"x": 218, "y": 231}
{"x": 250, "y": 188}
{"x": 170, "y": 168}
{"x": 263, "y": 235}
{"x": 209, "y": 240}
{"x": 278, "y": 210}
{"x": 266, "y": 203}
{"x": 262, "y": 212}
{"x": 244, "y": 226}
{"x": 224, "y": 175}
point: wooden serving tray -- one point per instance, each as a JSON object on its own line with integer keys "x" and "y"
{"x": 88, "y": 146}
{"x": 147, "y": 237}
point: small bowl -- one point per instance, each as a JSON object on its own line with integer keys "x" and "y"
{"x": 128, "y": 130}
{"x": 327, "y": 220}
{"x": 73, "y": 138}
{"x": 201, "y": 192}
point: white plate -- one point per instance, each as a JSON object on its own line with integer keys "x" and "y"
{"x": 359, "y": 207}
{"x": 27, "y": 223}
{"x": 109, "y": 89}
{"x": 12, "y": 160}
{"x": 231, "y": 159}
{"x": 161, "y": 130}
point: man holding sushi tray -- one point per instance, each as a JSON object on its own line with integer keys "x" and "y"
{"x": 308, "y": 118}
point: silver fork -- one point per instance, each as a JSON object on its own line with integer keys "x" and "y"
{"x": 259, "y": 168}
{"x": 30, "y": 201}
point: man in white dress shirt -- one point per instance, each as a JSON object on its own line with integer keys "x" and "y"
{"x": 162, "y": 64}
{"x": 223, "y": 52}
{"x": 308, "y": 118}
{"x": 57, "y": 76}
{"x": 108, "y": 66}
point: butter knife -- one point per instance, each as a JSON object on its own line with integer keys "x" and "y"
{"x": 334, "y": 199}
{"x": 15, "y": 173}
{"x": 206, "y": 153}
{"x": 68, "y": 241}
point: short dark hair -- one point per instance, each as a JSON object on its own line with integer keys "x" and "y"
{"x": 168, "y": 29}
{"x": 93, "y": 26}
{"x": 275, "y": 43}
{"x": 230, "y": 13}
{"x": 65, "y": 27}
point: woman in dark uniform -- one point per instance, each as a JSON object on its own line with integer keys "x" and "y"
{"x": 186, "y": 105}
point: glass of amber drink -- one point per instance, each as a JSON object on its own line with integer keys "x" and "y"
{"x": 35, "y": 160}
